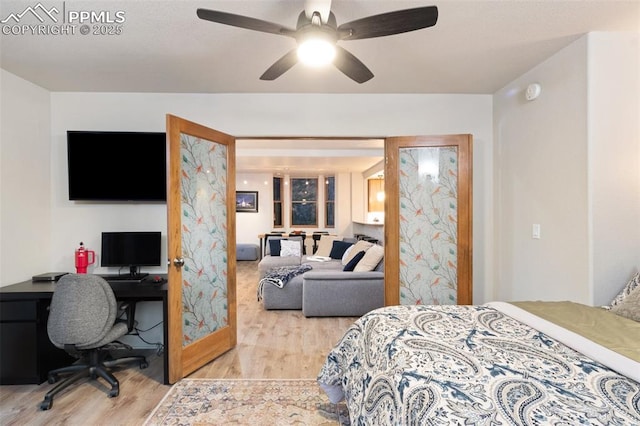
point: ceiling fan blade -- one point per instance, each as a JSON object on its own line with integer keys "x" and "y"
{"x": 400, "y": 21}
{"x": 281, "y": 66}
{"x": 351, "y": 66}
{"x": 244, "y": 22}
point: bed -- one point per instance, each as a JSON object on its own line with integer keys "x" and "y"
{"x": 528, "y": 363}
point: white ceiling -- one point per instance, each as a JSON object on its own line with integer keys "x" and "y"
{"x": 298, "y": 157}
{"x": 476, "y": 47}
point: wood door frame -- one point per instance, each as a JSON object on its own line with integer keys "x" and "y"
{"x": 465, "y": 208}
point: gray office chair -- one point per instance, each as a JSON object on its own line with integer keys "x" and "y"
{"x": 83, "y": 320}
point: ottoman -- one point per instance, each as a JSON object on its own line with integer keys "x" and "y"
{"x": 247, "y": 251}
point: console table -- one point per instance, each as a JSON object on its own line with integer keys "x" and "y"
{"x": 26, "y": 354}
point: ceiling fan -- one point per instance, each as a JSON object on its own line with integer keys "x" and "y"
{"x": 317, "y": 28}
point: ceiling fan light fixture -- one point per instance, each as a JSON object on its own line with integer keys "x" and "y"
{"x": 317, "y": 37}
{"x": 316, "y": 51}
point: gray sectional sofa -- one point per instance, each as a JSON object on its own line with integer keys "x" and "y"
{"x": 325, "y": 290}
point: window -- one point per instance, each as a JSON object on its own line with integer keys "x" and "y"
{"x": 304, "y": 202}
{"x": 277, "y": 202}
{"x": 330, "y": 201}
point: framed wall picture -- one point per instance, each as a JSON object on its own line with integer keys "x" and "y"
{"x": 247, "y": 201}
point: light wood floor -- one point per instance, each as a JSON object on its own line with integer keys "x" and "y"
{"x": 271, "y": 345}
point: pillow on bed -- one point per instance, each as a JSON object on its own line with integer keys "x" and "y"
{"x": 630, "y": 306}
{"x": 354, "y": 261}
{"x": 325, "y": 245}
{"x": 371, "y": 258}
{"x": 289, "y": 248}
{"x": 626, "y": 291}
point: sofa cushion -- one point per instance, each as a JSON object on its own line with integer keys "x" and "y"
{"x": 346, "y": 253}
{"x": 325, "y": 245}
{"x": 354, "y": 261}
{"x": 289, "y": 248}
{"x": 275, "y": 239}
{"x": 357, "y": 247}
{"x": 342, "y": 294}
{"x": 274, "y": 247}
{"x": 287, "y": 297}
{"x": 269, "y": 262}
{"x": 331, "y": 264}
{"x": 371, "y": 258}
{"x": 338, "y": 249}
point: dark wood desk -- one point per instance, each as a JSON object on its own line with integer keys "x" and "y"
{"x": 26, "y": 354}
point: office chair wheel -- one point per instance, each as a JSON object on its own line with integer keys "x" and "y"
{"x": 143, "y": 365}
{"x": 52, "y": 378}
{"x": 46, "y": 404}
{"x": 115, "y": 391}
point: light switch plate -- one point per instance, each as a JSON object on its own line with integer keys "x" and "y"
{"x": 535, "y": 231}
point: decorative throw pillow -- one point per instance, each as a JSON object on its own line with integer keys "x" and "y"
{"x": 274, "y": 247}
{"x": 289, "y": 248}
{"x": 371, "y": 258}
{"x": 325, "y": 245}
{"x": 630, "y": 306}
{"x": 339, "y": 247}
{"x": 346, "y": 254}
{"x": 626, "y": 291}
{"x": 359, "y": 246}
{"x": 354, "y": 261}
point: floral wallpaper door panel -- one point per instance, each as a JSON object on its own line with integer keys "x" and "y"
{"x": 201, "y": 245}
{"x": 428, "y": 220}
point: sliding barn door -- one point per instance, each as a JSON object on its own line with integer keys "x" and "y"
{"x": 428, "y": 218}
{"x": 201, "y": 246}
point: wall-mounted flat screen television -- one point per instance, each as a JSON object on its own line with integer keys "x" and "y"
{"x": 117, "y": 166}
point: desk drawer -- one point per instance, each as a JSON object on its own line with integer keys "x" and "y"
{"x": 19, "y": 349}
{"x": 18, "y": 311}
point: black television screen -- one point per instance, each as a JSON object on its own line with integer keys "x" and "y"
{"x": 117, "y": 166}
{"x": 131, "y": 249}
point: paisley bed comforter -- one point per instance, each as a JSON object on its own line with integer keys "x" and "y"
{"x": 441, "y": 365}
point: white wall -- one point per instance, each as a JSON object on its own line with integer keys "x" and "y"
{"x": 614, "y": 161}
{"x": 249, "y": 225}
{"x": 548, "y": 172}
{"x": 541, "y": 167}
{"x": 358, "y": 191}
{"x": 344, "y": 204}
{"x": 25, "y": 180}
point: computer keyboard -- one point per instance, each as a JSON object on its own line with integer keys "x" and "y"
{"x": 124, "y": 278}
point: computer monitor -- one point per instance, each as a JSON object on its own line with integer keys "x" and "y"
{"x": 131, "y": 249}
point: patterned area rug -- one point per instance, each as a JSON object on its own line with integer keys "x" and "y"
{"x": 247, "y": 402}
